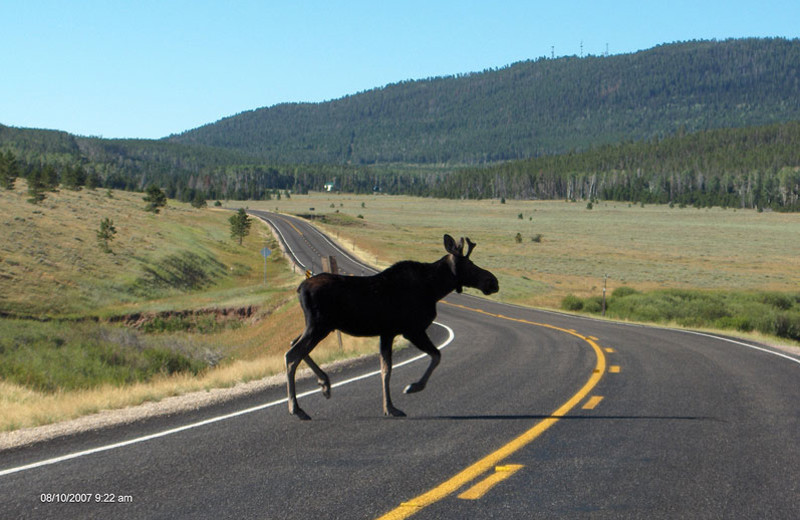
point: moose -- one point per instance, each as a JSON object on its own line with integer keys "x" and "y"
{"x": 398, "y": 301}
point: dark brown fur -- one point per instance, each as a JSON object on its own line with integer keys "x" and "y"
{"x": 398, "y": 301}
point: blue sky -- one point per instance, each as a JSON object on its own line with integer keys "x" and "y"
{"x": 148, "y": 69}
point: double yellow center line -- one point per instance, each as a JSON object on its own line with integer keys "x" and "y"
{"x": 494, "y": 459}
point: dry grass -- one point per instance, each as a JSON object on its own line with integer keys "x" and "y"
{"x": 646, "y": 248}
{"x": 258, "y": 353}
{"x": 51, "y": 256}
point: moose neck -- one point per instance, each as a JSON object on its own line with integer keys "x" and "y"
{"x": 442, "y": 280}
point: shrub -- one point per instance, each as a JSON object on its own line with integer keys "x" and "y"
{"x": 778, "y": 300}
{"x": 787, "y": 325}
{"x": 571, "y": 303}
{"x": 740, "y": 323}
{"x": 593, "y": 304}
{"x": 621, "y": 292}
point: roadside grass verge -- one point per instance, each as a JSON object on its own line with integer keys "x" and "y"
{"x": 63, "y": 351}
{"x": 769, "y": 313}
{"x": 232, "y": 356}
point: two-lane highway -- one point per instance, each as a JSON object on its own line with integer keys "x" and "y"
{"x": 531, "y": 414}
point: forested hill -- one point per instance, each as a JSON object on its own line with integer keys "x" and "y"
{"x": 529, "y": 109}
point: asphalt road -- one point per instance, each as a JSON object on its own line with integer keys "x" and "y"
{"x": 531, "y": 414}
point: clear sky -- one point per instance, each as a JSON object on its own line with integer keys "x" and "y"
{"x": 140, "y": 68}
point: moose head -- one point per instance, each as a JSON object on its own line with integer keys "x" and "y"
{"x": 467, "y": 273}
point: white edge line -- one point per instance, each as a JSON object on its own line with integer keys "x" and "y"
{"x": 276, "y": 228}
{"x": 342, "y": 251}
{"x": 640, "y": 325}
{"x": 748, "y": 345}
{"x": 451, "y": 336}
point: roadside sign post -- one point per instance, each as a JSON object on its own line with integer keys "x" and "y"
{"x": 329, "y": 265}
{"x": 265, "y": 253}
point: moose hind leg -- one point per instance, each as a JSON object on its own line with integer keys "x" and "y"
{"x": 300, "y": 349}
{"x": 322, "y": 378}
{"x": 386, "y": 375}
{"x": 423, "y": 342}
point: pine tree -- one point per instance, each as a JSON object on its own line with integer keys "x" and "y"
{"x": 50, "y": 177}
{"x": 93, "y": 181}
{"x": 36, "y": 186}
{"x": 9, "y": 170}
{"x": 74, "y": 177}
{"x": 155, "y": 199}
{"x": 240, "y": 225}
{"x": 106, "y": 234}
{"x": 199, "y": 201}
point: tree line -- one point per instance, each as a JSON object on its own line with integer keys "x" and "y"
{"x": 757, "y": 167}
{"x": 754, "y": 167}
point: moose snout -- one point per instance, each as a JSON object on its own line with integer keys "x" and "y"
{"x": 490, "y": 285}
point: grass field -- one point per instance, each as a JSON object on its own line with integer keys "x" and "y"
{"x": 62, "y": 351}
{"x": 652, "y": 247}
{"x": 63, "y": 354}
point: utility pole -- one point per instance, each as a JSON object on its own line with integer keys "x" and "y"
{"x": 605, "y": 277}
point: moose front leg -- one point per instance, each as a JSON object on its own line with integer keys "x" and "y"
{"x": 423, "y": 342}
{"x": 386, "y": 375}
{"x": 301, "y": 347}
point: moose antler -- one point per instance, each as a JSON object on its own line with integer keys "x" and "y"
{"x": 471, "y": 246}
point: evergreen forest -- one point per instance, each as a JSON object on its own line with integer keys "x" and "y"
{"x": 529, "y": 109}
{"x": 695, "y": 123}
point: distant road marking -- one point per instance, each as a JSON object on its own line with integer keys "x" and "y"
{"x": 481, "y": 488}
{"x": 470, "y": 473}
{"x": 609, "y": 350}
{"x": 451, "y": 336}
{"x": 291, "y": 224}
{"x": 614, "y": 369}
{"x": 592, "y": 402}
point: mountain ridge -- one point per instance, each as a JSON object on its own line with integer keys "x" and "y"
{"x": 528, "y": 109}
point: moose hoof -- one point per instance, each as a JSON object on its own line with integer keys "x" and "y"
{"x": 394, "y": 412}
{"x": 326, "y": 390}
{"x": 300, "y": 414}
{"x": 413, "y": 387}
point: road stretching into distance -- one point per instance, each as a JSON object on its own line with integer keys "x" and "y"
{"x": 531, "y": 414}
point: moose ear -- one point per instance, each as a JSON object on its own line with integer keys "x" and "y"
{"x": 451, "y": 247}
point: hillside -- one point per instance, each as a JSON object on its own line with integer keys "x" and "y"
{"x": 530, "y": 108}
{"x": 51, "y": 265}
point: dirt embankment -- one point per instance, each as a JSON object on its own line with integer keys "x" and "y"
{"x": 142, "y": 319}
